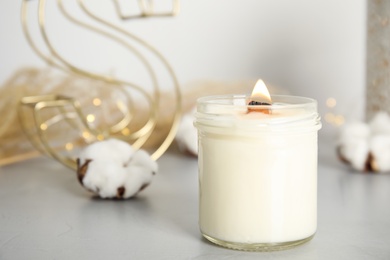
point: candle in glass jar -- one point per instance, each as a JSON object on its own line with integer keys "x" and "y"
{"x": 257, "y": 171}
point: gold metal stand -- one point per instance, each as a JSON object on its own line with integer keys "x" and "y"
{"x": 48, "y": 111}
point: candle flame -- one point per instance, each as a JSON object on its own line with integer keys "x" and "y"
{"x": 260, "y": 93}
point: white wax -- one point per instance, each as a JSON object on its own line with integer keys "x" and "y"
{"x": 258, "y": 188}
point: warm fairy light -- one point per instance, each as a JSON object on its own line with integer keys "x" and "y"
{"x": 100, "y": 137}
{"x": 125, "y": 131}
{"x": 260, "y": 93}
{"x": 86, "y": 135}
{"x": 69, "y": 146}
{"x": 339, "y": 120}
{"x": 97, "y": 102}
{"x": 336, "y": 120}
{"x": 331, "y": 102}
{"x": 90, "y": 118}
{"x": 43, "y": 127}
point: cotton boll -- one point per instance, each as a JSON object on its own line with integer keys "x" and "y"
{"x": 112, "y": 169}
{"x": 136, "y": 180}
{"x": 380, "y": 150}
{"x": 354, "y": 131}
{"x": 187, "y": 135}
{"x": 353, "y": 144}
{"x": 367, "y": 146}
{"x": 380, "y": 124}
{"x": 142, "y": 158}
{"x": 111, "y": 150}
{"x": 139, "y": 173}
{"x": 104, "y": 178}
{"x": 356, "y": 152}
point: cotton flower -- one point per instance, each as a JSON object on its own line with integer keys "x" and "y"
{"x": 366, "y": 147}
{"x": 113, "y": 169}
{"x": 187, "y": 136}
{"x": 354, "y": 146}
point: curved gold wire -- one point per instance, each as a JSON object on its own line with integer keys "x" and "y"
{"x": 43, "y": 146}
{"x": 171, "y": 135}
{"x": 50, "y": 61}
{"x": 28, "y": 129}
{"x": 40, "y": 142}
{"x": 140, "y": 136}
{"x": 147, "y": 10}
{"x": 30, "y": 40}
{"x": 38, "y": 121}
{"x": 123, "y": 123}
{"x": 144, "y": 132}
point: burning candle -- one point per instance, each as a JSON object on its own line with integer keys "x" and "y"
{"x": 257, "y": 169}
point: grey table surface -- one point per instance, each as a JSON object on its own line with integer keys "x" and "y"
{"x": 46, "y": 214}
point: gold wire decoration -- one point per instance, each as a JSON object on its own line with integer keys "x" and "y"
{"x": 41, "y": 114}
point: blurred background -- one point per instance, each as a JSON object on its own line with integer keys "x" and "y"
{"x": 313, "y": 48}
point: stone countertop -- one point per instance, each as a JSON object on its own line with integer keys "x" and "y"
{"x": 46, "y": 214}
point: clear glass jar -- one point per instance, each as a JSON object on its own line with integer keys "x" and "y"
{"x": 257, "y": 171}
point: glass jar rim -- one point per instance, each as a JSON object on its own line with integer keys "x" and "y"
{"x": 286, "y": 113}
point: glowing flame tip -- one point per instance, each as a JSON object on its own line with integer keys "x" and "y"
{"x": 260, "y": 92}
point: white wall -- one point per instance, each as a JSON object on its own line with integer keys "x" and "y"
{"x": 313, "y": 48}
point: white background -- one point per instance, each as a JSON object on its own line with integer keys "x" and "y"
{"x": 313, "y": 48}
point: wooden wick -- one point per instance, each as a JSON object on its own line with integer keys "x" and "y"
{"x": 252, "y": 107}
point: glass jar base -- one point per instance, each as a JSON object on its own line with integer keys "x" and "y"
{"x": 261, "y": 247}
